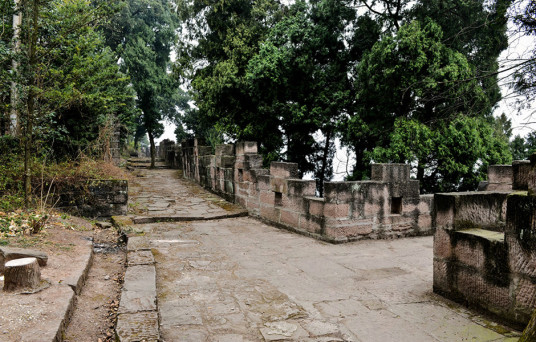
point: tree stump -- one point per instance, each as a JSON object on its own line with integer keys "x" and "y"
{"x": 22, "y": 274}
{"x": 529, "y": 334}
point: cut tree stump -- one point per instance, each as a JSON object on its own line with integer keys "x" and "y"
{"x": 22, "y": 274}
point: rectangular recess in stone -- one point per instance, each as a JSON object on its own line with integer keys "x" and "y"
{"x": 396, "y": 205}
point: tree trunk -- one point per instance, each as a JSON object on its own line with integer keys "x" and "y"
{"x": 529, "y": 334}
{"x": 324, "y": 164}
{"x": 420, "y": 173}
{"x": 22, "y": 274}
{"x": 14, "y": 119}
{"x": 30, "y": 103}
{"x": 153, "y": 148}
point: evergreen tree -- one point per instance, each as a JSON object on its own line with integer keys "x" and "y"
{"x": 143, "y": 36}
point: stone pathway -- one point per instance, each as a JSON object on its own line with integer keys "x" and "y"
{"x": 240, "y": 280}
{"x": 159, "y": 195}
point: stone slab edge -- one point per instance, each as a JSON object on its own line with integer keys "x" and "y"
{"x": 148, "y": 323}
{"x": 75, "y": 282}
{"x": 155, "y": 219}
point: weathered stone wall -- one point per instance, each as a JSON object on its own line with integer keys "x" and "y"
{"x": 389, "y": 205}
{"x": 94, "y": 198}
{"x": 485, "y": 245}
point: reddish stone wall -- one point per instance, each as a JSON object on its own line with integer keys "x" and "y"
{"x": 387, "y": 206}
{"x": 485, "y": 247}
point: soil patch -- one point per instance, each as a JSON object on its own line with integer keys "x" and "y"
{"x": 66, "y": 240}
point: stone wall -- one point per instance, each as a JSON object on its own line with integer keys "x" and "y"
{"x": 389, "y": 205}
{"x": 485, "y": 245}
{"x": 94, "y": 198}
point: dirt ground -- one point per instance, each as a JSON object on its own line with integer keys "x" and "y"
{"x": 95, "y": 310}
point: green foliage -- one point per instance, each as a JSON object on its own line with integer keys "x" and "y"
{"x": 452, "y": 156}
{"x": 300, "y": 79}
{"x": 525, "y": 74}
{"x": 143, "y": 35}
{"x": 410, "y": 75}
{"x": 6, "y": 34}
{"x": 477, "y": 30}
{"x": 73, "y": 78}
{"x": 294, "y": 78}
{"x": 522, "y": 148}
{"x": 227, "y": 36}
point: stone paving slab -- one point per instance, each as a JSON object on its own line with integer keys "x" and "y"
{"x": 139, "y": 290}
{"x": 252, "y": 282}
{"x": 140, "y": 257}
{"x": 160, "y": 195}
{"x": 238, "y": 279}
{"x": 137, "y": 327}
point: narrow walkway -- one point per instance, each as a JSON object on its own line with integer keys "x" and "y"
{"x": 240, "y": 280}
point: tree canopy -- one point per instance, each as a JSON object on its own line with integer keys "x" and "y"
{"x": 143, "y": 35}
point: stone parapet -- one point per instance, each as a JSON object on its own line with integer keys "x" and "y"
{"x": 485, "y": 246}
{"x": 385, "y": 207}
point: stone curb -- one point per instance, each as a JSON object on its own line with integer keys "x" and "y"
{"x": 138, "y": 311}
{"x": 156, "y": 219}
{"x": 75, "y": 283}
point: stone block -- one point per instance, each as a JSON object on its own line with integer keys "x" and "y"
{"x": 350, "y": 230}
{"x": 500, "y": 174}
{"x": 311, "y": 224}
{"x": 139, "y": 290}
{"x": 299, "y": 187}
{"x": 426, "y": 203}
{"x": 441, "y": 276}
{"x": 409, "y": 189}
{"x": 333, "y": 210}
{"x": 140, "y": 326}
{"x": 391, "y": 173}
{"x": 335, "y": 192}
{"x": 290, "y": 218}
{"x": 293, "y": 203}
{"x": 246, "y": 147}
{"x": 470, "y": 253}
{"x": 267, "y": 198}
{"x": 120, "y": 198}
{"x": 242, "y": 201}
{"x": 279, "y": 185}
{"x": 284, "y": 170}
{"x": 315, "y": 205}
{"x": 142, "y": 257}
{"x": 477, "y": 290}
{"x": 225, "y": 161}
{"x": 252, "y": 205}
{"x": 521, "y": 170}
{"x": 521, "y": 258}
{"x": 224, "y": 150}
{"x": 525, "y": 297}
{"x": 424, "y": 224}
{"x": 270, "y": 213}
{"x": 470, "y": 210}
{"x": 203, "y": 150}
{"x": 263, "y": 183}
{"x": 520, "y": 221}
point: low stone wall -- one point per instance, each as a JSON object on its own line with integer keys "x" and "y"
{"x": 387, "y": 206}
{"x": 94, "y": 198}
{"x": 485, "y": 246}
